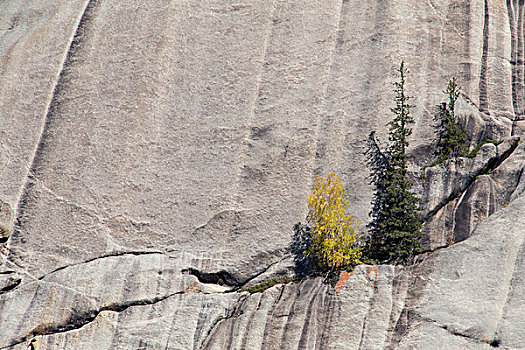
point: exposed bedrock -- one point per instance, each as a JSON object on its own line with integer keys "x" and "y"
{"x": 468, "y": 295}
{"x": 156, "y": 155}
{"x": 461, "y": 194}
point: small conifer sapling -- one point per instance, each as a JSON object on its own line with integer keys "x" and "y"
{"x": 452, "y": 139}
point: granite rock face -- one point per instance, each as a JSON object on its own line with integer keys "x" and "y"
{"x": 463, "y": 192}
{"x": 156, "y": 155}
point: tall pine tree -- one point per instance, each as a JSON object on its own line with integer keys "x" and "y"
{"x": 395, "y": 228}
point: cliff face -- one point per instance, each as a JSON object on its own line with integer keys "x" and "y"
{"x": 155, "y": 155}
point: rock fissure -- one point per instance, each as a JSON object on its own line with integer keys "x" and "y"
{"x": 11, "y": 285}
{"x": 96, "y": 213}
{"x": 429, "y": 251}
{"x": 433, "y": 7}
{"x": 90, "y": 211}
{"x": 278, "y": 299}
{"x": 459, "y": 333}
{"x": 469, "y": 101}
{"x": 105, "y": 256}
{"x": 227, "y": 278}
{"x": 491, "y": 165}
{"x": 222, "y": 277}
{"x": 78, "y": 321}
{"x": 19, "y": 268}
{"x": 456, "y": 332}
{"x": 244, "y": 283}
{"x": 501, "y": 157}
{"x": 233, "y": 313}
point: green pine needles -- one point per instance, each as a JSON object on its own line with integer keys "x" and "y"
{"x": 452, "y": 139}
{"x": 330, "y": 241}
{"x": 395, "y": 228}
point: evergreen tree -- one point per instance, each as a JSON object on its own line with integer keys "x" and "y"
{"x": 378, "y": 162}
{"x": 452, "y": 140}
{"x": 395, "y": 228}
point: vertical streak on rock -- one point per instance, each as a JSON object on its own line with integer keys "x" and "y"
{"x": 519, "y": 85}
{"x": 256, "y": 96}
{"x": 513, "y": 37}
{"x": 508, "y": 285}
{"x": 337, "y": 43}
{"x": 520, "y": 88}
{"x": 362, "y": 344}
{"x": 278, "y": 149}
{"x": 297, "y": 327}
{"x": 313, "y": 308}
{"x": 409, "y": 290}
{"x": 223, "y": 329}
{"x": 75, "y": 40}
{"x": 288, "y": 325}
{"x": 271, "y": 324}
{"x": 253, "y": 319}
{"x": 328, "y": 321}
{"x": 483, "y": 93}
{"x": 515, "y": 9}
{"x": 468, "y": 71}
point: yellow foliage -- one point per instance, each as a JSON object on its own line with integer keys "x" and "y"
{"x": 332, "y": 229}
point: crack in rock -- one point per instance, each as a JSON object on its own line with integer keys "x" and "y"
{"x": 490, "y": 166}
{"x": 105, "y": 256}
{"x": 75, "y": 40}
{"x": 235, "y": 312}
{"x": 221, "y": 277}
{"x": 224, "y": 277}
{"x": 89, "y": 211}
{"x": 78, "y": 321}
{"x": 495, "y": 342}
{"x": 9, "y": 280}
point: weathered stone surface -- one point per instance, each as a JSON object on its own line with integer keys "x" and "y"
{"x": 313, "y": 315}
{"x": 112, "y": 283}
{"x": 472, "y": 288}
{"x": 143, "y": 139}
{"x": 467, "y": 192}
{"x": 465, "y": 296}
{"x": 167, "y": 324}
{"x": 35, "y": 37}
{"x": 468, "y": 295}
{"x": 9, "y": 280}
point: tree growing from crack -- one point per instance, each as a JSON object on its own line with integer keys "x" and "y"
{"x": 452, "y": 139}
{"x": 395, "y": 228}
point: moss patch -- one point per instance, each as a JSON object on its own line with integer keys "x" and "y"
{"x": 264, "y": 285}
{"x": 476, "y": 149}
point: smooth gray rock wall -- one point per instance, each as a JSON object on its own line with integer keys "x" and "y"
{"x": 141, "y": 139}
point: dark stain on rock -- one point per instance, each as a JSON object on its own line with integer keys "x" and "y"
{"x": 258, "y": 133}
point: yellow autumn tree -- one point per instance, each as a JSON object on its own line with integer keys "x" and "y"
{"x": 332, "y": 230}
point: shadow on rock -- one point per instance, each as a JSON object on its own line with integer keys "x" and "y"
{"x": 304, "y": 265}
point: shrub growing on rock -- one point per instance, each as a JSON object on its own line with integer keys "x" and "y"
{"x": 333, "y": 243}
